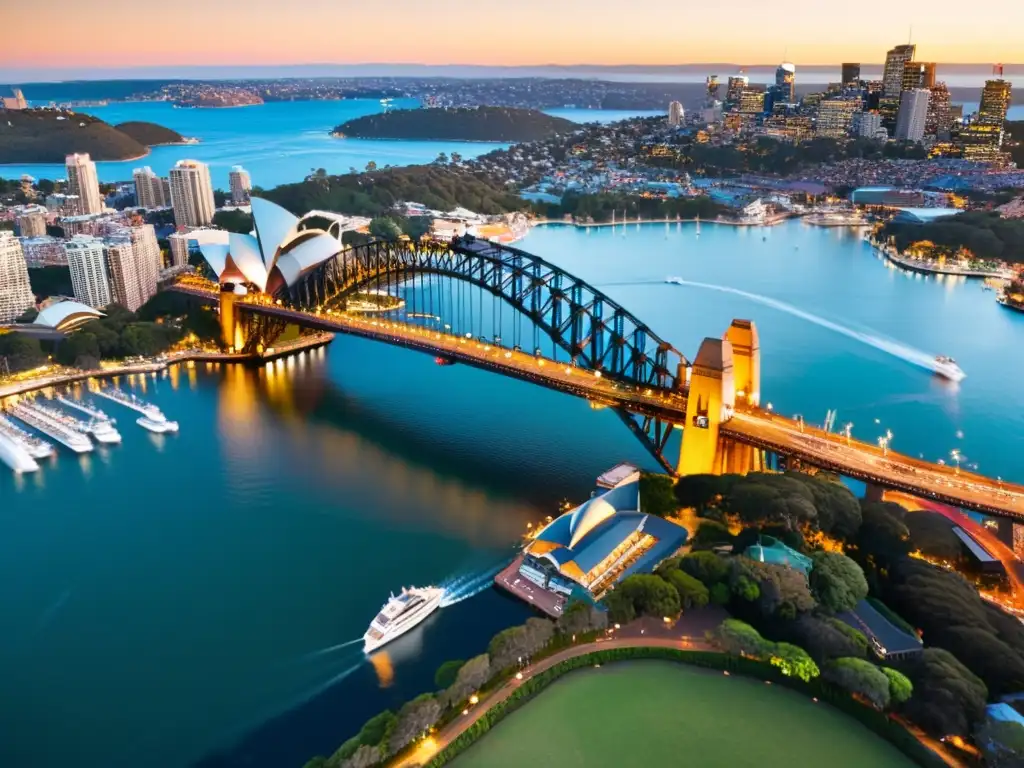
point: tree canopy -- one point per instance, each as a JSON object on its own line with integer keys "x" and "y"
{"x": 837, "y": 582}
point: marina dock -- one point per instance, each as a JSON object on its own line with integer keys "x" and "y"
{"x": 66, "y": 436}
{"x": 83, "y": 407}
{"x": 510, "y": 580}
{"x": 152, "y": 417}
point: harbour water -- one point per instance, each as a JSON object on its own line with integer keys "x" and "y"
{"x": 277, "y": 142}
{"x": 194, "y": 597}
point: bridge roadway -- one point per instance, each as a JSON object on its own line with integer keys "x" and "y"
{"x": 752, "y": 426}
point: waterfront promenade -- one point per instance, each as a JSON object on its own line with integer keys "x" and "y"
{"x": 932, "y": 267}
{"x": 71, "y": 375}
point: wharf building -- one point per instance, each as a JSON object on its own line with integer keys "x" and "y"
{"x": 151, "y": 191}
{"x": 83, "y": 182}
{"x": 913, "y": 114}
{"x": 599, "y": 543}
{"x": 15, "y": 291}
{"x": 240, "y": 182}
{"x": 191, "y": 194}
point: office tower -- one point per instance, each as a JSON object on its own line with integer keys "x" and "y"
{"x": 179, "y": 248}
{"x": 785, "y": 84}
{"x": 751, "y": 101}
{"x": 83, "y": 182}
{"x": 735, "y": 87}
{"x": 918, "y": 74}
{"x": 88, "y": 270}
{"x": 31, "y": 222}
{"x": 711, "y": 89}
{"x": 983, "y": 139}
{"x": 868, "y": 125}
{"x": 939, "y": 120}
{"x": 675, "y": 118}
{"x": 892, "y": 82}
{"x": 150, "y": 190}
{"x": 191, "y": 194}
{"x": 851, "y": 75}
{"x": 835, "y": 117}
{"x": 912, "y": 115}
{"x": 241, "y": 184}
{"x": 15, "y": 292}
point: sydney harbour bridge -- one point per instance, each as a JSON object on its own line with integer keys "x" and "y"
{"x": 504, "y": 310}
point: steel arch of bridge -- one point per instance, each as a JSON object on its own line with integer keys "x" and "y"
{"x": 597, "y": 332}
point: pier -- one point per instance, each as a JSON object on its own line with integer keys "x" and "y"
{"x": 85, "y": 408}
{"x": 152, "y": 418}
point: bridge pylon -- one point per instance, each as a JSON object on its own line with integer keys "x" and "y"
{"x": 232, "y": 330}
{"x": 721, "y": 371}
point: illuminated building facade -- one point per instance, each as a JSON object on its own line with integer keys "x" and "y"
{"x": 711, "y": 87}
{"x": 918, "y": 74}
{"x": 939, "y": 120}
{"x": 737, "y": 84}
{"x": 835, "y": 117}
{"x": 784, "y": 90}
{"x": 982, "y": 140}
{"x": 15, "y": 293}
{"x": 751, "y": 101}
{"x": 896, "y": 61}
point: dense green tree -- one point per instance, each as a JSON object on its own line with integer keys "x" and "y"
{"x": 580, "y": 617}
{"x": 414, "y": 718}
{"x": 701, "y": 491}
{"x": 900, "y": 687}
{"x": 651, "y": 595}
{"x": 828, "y": 638}
{"x": 739, "y": 638}
{"x": 81, "y": 350}
{"x": 948, "y": 699}
{"x": 656, "y": 496}
{"x": 764, "y": 499}
{"x": 692, "y": 593}
{"x": 932, "y": 534}
{"x": 708, "y": 567}
{"x": 838, "y": 510}
{"x": 1001, "y": 742}
{"x": 794, "y": 661}
{"x": 447, "y": 673}
{"x": 620, "y": 607}
{"x": 385, "y": 228}
{"x": 782, "y": 590}
{"x": 473, "y": 674}
{"x": 719, "y": 593}
{"x": 233, "y": 221}
{"x": 860, "y": 677}
{"x": 417, "y": 227}
{"x": 21, "y": 352}
{"x": 837, "y": 582}
{"x": 710, "y": 534}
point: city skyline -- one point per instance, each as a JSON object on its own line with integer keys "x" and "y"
{"x": 535, "y": 35}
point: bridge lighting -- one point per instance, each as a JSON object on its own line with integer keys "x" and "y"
{"x": 540, "y": 363}
{"x": 597, "y": 374}
{"x": 568, "y": 371}
{"x": 770, "y": 407}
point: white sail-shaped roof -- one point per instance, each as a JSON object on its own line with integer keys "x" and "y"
{"x": 216, "y": 256}
{"x": 245, "y": 253}
{"x": 305, "y": 256}
{"x": 587, "y": 517}
{"x": 65, "y": 313}
{"x": 274, "y": 225}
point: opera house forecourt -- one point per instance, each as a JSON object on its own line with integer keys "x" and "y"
{"x": 593, "y": 546}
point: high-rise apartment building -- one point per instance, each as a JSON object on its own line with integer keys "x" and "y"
{"x": 892, "y": 82}
{"x": 179, "y": 248}
{"x": 44, "y": 251}
{"x": 784, "y": 90}
{"x": 15, "y": 291}
{"x": 913, "y": 114}
{"x": 191, "y": 194}
{"x": 835, "y": 117}
{"x": 675, "y": 118}
{"x": 939, "y": 120}
{"x": 30, "y": 221}
{"x": 87, "y": 262}
{"x": 983, "y": 139}
{"x": 851, "y": 75}
{"x": 918, "y": 74}
{"x": 83, "y": 182}
{"x": 241, "y": 183}
{"x": 133, "y": 266}
{"x": 868, "y": 125}
{"x": 151, "y": 191}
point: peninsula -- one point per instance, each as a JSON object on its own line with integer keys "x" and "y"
{"x": 458, "y": 124}
{"x": 48, "y": 135}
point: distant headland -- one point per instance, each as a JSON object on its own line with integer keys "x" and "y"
{"x": 461, "y": 124}
{"x": 48, "y": 135}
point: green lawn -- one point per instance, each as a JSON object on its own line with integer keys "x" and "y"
{"x": 652, "y": 713}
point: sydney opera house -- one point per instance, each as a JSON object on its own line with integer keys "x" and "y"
{"x": 281, "y": 248}
{"x": 600, "y": 542}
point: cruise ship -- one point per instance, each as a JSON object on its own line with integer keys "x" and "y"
{"x": 101, "y": 429}
{"x": 400, "y": 614}
{"x": 36, "y": 447}
{"x": 67, "y": 436}
{"x": 15, "y": 456}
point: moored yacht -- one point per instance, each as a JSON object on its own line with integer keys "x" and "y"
{"x": 400, "y": 614}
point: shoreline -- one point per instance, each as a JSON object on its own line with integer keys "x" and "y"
{"x": 921, "y": 267}
{"x": 772, "y": 222}
{"x": 300, "y": 345}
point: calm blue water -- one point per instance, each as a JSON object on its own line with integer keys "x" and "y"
{"x": 277, "y": 143}
{"x": 164, "y": 598}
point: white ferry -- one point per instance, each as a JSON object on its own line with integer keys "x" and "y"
{"x": 36, "y": 447}
{"x": 946, "y": 366}
{"x": 67, "y": 436}
{"x": 84, "y": 407}
{"x": 158, "y": 426}
{"x": 152, "y": 419}
{"x": 104, "y": 432}
{"x": 400, "y": 614}
{"x": 15, "y": 456}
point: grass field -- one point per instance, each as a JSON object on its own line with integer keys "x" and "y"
{"x": 652, "y": 713}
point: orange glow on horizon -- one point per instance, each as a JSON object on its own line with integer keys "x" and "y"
{"x": 119, "y": 34}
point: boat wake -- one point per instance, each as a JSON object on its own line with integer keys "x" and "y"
{"x": 468, "y": 585}
{"x": 330, "y": 649}
{"x": 891, "y": 346}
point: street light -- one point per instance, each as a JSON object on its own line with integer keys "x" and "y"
{"x": 955, "y": 456}
{"x": 846, "y": 430}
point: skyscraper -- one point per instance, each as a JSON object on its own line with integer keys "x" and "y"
{"x": 82, "y": 181}
{"x": 892, "y": 82}
{"x": 835, "y": 117}
{"x": 675, "y": 117}
{"x": 151, "y": 191}
{"x": 868, "y": 125}
{"x": 179, "y": 248}
{"x": 918, "y": 74}
{"x": 241, "y": 184}
{"x": 15, "y": 292}
{"x": 734, "y": 89}
{"x": 122, "y": 274}
{"x": 751, "y": 101}
{"x": 88, "y": 270}
{"x": 711, "y": 89}
{"x": 785, "y": 83}
{"x": 191, "y": 194}
{"x": 939, "y": 120}
{"x": 912, "y": 114}
{"x": 983, "y": 138}
{"x": 851, "y": 74}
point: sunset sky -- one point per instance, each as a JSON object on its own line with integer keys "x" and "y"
{"x": 65, "y": 34}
